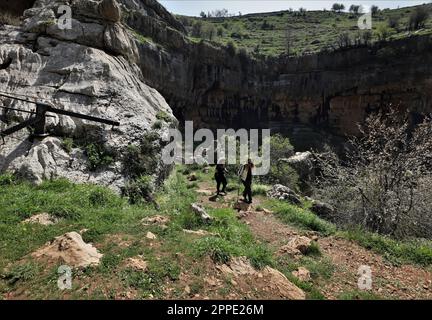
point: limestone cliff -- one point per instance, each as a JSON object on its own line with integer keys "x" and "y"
{"x": 306, "y": 97}
{"x": 89, "y": 69}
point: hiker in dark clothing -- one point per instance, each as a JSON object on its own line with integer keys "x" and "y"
{"x": 246, "y": 178}
{"x": 220, "y": 177}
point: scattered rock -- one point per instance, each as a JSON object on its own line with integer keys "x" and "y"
{"x": 70, "y": 249}
{"x": 212, "y": 281}
{"x": 270, "y": 278}
{"x": 151, "y": 236}
{"x": 136, "y": 263}
{"x": 281, "y": 192}
{"x": 302, "y": 274}
{"x": 244, "y": 214}
{"x": 322, "y": 209}
{"x": 204, "y": 192}
{"x": 296, "y": 245}
{"x": 200, "y": 211}
{"x": 199, "y": 232}
{"x": 44, "y": 219}
{"x": 158, "y": 220}
{"x": 187, "y": 290}
{"x": 267, "y": 211}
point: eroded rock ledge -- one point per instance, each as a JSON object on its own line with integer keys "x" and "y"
{"x": 89, "y": 69}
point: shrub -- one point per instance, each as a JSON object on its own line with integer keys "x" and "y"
{"x": 67, "y": 144}
{"x": 163, "y": 116}
{"x": 383, "y": 32}
{"x": 382, "y": 183}
{"x": 7, "y": 179}
{"x": 418, "y": 18}
{"x": 98, "y": 156}
{"x": 393, "y": 22}
{"x": 140, "y": 189}
{"x": 220, "y": 250}
{"x": 280, "y": 172}
{"x": 142, "y": 159}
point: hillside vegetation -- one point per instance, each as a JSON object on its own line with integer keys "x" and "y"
{"x": 276, "y": 33}
{"x": 184, "y": 257}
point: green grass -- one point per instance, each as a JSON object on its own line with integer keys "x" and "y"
{"x": 232, "y": 239}
{"x": 100, "y": 211}
{"x": 300, "y": 217}
{"x": 265, "y": 34}
{"x": 395, "y": 251}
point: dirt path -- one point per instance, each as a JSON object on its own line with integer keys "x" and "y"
{"x": 388, "y": 281}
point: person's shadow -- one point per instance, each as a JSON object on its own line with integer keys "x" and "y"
{"x": 214, "y": 198}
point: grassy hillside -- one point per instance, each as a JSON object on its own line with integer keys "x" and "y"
{"x": 266, "y": 33}
{"x": 183, "y": 264}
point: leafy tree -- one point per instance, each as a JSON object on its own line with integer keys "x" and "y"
{"x": 418, "y": 18}
{"x": 338, "y": 7}
{"x": 354, "y": 9}
{"x": 382, "y": 182}
{"x": 197, "y": 29}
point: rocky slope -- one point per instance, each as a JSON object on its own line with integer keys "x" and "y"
{"x": 89, "y": 69}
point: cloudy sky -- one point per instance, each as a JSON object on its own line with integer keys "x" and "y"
{"x": 194, "y": 7}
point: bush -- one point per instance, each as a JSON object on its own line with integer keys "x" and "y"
{"x": 7, "y": 179}
{"x": 383, "y": 32}
{"x": 418, "y": 18}
{"x": 139, "y": 190}
{"x": 220, "y": 250}
{"x": 67, "y": 144}
{"x": 98, "y": 156}
{"x": 393, "y": 22}
{"x": 142, "y": 159}
{"x": 382, "y": 184}
{"x": 280, "y": 172}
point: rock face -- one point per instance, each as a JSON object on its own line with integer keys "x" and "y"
{"x": 69, "y": 249}
{"x": 281, "y": 192}
{"x": 313, "y": 98}
{"x": 110, "y": 10}
{"x": 88, "y": 69}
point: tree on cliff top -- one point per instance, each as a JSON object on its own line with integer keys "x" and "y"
{"x": 338, "y": 7}
{"x": 418, "y": 18}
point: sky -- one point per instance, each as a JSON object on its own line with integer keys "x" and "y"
{"x": 194, "y": 7}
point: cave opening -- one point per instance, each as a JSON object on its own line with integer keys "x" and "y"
{"x": 14, "y": 7}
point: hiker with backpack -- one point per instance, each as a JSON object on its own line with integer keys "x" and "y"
{"x": 245, "y": 175}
